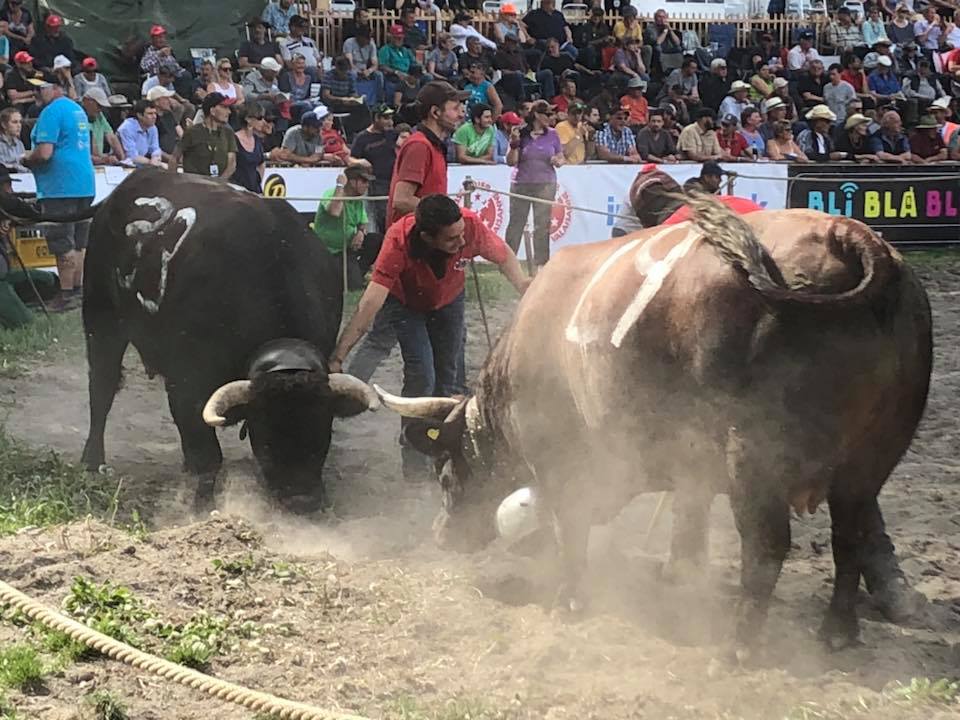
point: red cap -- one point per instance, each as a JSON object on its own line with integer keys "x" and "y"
{"x": 89, "y": 63}
{"x": 54, "y": 21}
{"x": 158, "y": 30}
{"x": 23, "y": 57}
{"x": 396, "y": 30}
{"x": 511, "y": 118}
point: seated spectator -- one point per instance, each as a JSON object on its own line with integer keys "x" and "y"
{"x": 413, "y": 37}
{"x": 90, "y": 78}
{"x": 698, "y": 141}
{"x": 664, "y": 40}
{"x": 838, "y": 93}
{"x": 508, "y": 126}
{"x": 900, "y": 30}
{"x": 481, "y": 90}
{"x": 159, "y": 54}
{"x": 654, "y": 143}
{"x": 567, "y": 97}
{"x": 395, "y": 61}
{"x": 926, "y": 145}
{"x": 761, "y": 84}
{"x": 340, "y": 88}
{"x": 335, "y": 148}
{"x": 561, "y": 64}
{"x": 736, "y": 100}
{"x": 462, "y": 30}
{"x": 473, "y": 141}
{"x": 801, "y": 54}
{"x": 259, "y": 47}
{"x": 576, "y": 135}
{"x": 816, "y": 141}
{"x": 169, "y": 127}
{"x": 11, "y": 146}
{"x": 750, "y": 120}
{"x": 708, "y": 181}
{"x": 616, "y": 143}
{"x": 362, "y": 53}
{"x": 782, "y": 146}
{"x": 810, "y": 85}
{"x": 671, "y": 125}
{"x": 138, "y": 135}
{"x": 889, "y": 143}
{"x": 715, "y": 84}
{"x": 341, "y": 224}
{"x": 591, "y": 38}
{"x": 508, "y": 24}
{"x": 301, "y": 143}
{"x": 882, "y": 82}
{"x": 928, "y": 29}
{"x": 4, "y": 43}
{"x": 768, "y": 49}
{"x": 279, "y": 14}
{"x": 164, "y": 78}
{"x": 852, "y": 141}
{"x": 512, "y": 64}
{"x": 854, "y": 75}
{"x": 873, "y": 28}
{"x": 94, "y": 101}
{"x": 951, "y": 34}
{"x": 636, "y": 104}
{"x": 22, "y": 81}
{"x": 940, "y": 109}
{"x": 954, "y": 148}
{"x": 208, "y": 147}
{"x": 360, "y": 19}
{"x": 774, "y": 111}
{"x": 298, "y": 43}
{"x": 923, "y": 87}
{"x": 50, "y": 42}
{"x": 442, "y": 60}
{"x": 296, "y": 83}
{"x": 63, "y": 76}
{"x": 674, "y": 102}
{"x": 545, "y": 23}
{"x": 477, "y": 53}
{"x": 781, "y": 89}
{"x": 843, "y": 35}
{"x": 224, "y": 84}
{"x": 685, "y": 76}
{"x": 908, "y": 61}
{"x": 627, "y": 62}
{"x": 733, "y": 146}
{"x": 19, "y": 25}
{"x": 262, "y": 85}
{"x": 628, "y": 25}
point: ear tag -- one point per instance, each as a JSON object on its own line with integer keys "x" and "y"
{"x": 433, "y": 433}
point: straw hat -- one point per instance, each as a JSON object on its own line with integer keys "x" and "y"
{"x": 821, "y": 112}
{"x": 854, "y": 120}
{"x": 737, "y": 86}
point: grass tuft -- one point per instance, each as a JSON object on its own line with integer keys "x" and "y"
{"x": 21, "y": 668}
{"x": 107, "y": 706}
{"x": 457, "y": 708}
{"x": 38, "y": 342}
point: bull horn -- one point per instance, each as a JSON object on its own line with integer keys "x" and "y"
{"x": 425, "y": 408}
{"x": 354, "y": 387}
{"x": 223, "y": 398}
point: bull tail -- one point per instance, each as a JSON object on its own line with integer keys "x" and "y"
{"x": 737, "y": 243}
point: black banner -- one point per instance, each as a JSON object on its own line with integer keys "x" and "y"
{"x": 903, "y": 203}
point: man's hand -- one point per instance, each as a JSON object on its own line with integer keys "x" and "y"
{"x": 334, "y": 365}
{"x": 357, "y": 241}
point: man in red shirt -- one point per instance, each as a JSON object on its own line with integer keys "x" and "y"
{"x": 421, "y": 165}
{"x": 418, "y": 280}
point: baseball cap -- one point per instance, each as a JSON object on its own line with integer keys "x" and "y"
{"x": 511, "y": 118}
{"x": 100, "y": 97}
{"x": 61, "y": 61}
{"x": 729, "y": 119}
{"x": 436, "y": 93}
{"x": 508, "y": 9}
{"x": 211, "y": 101}
{"x": 712, "y": 168}
{"x": 23, "y": 57}
{"x": 382, "y": 110}
{"x": 158, "y": 30}
{"x": 321, "y": 111}
{"x": 805, "y": 35}
{"x": 310, "y": 119}
{"x": 358, "y": 171}
{"x": 396, "y": 30}
{"x": 157, "y": 92}
{"x": 269, "y": 63}
{"x": 89, "y": 63}
{"x": 53, "y": 21}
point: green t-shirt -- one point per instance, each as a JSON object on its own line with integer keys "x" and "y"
{"x": 476, "y": 144}
{"x": 99, "y": 129}
{"x": 396, "y": 58}
{"x": 337, "y": 232}
{"x": 203, "y": 147}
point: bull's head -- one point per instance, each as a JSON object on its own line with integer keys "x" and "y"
{"x": 452, "y": 432}
{"x": 288, "y": 403}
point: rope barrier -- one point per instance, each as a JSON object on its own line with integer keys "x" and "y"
{"x": 221, "y": 689}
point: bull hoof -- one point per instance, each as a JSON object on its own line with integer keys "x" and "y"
{"x": 304, "y": 504}
{"x": 682, "y": 571}
{"x": 898, "y": 602}
{"x": 839, "y": 631}
{"x": 204, "y": 499}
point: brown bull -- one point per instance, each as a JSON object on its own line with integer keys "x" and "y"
{"x": 783, "y": 358}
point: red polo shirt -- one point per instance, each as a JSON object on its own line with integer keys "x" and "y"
{"x": 741, "y": 206}
{"x": 412, "y": 281}
{"x": 421, "y": 160}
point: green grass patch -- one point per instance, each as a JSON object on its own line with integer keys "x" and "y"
{"x": 7, "y": 709}
{"x": 21, "y": 668}
{"x": 456, "y": 708}
{"x": 896, "y": 698}
{"x": 40, "y": 341}
{"x": 106, "y": 706}
{"x": 39, "y": 488}
{"x": 933, "y": 258}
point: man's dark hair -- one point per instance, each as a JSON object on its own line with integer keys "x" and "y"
{"x": 408, "y": 11}
{"x": 835, "y": 66}
{"x": 362, "y": 31}
{"x": 435, "y": 212}
{"x": 477, "y": 111}
{"x": 655, "y": 112}
{"x": 689, "y": 60}
{"x": 705, "y": 112}
{"x": 141, "y": 106}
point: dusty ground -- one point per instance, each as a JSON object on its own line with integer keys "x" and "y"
{"x": 379, "y": 622}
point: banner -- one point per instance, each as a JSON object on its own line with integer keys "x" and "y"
{"x": 902, "y": 203}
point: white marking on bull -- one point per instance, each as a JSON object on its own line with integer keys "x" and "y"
{"x": 139, "y": 228}
{"x": 655, "y": 271}
{"x": 474, "y": 423}
{"x": 189, "y": 217}
{"x": 574, "y": 332}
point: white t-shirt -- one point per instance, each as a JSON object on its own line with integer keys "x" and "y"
{"x": 796, "y": 58}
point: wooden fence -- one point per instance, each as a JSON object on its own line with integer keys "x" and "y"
{"x": 327, "y": 28}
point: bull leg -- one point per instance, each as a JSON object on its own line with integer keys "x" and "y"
{"x": 202, "y": 456}
{"x": 763, "y": 522}
{"x": 840, "y": 622}
{"x": 106, "y": 344}
{"x": 572, "y": 528}
{"x": 688, "y": 543}
{"x": 885, "y": 580}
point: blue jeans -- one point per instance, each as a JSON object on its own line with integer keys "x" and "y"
{"x": 375, "y": 347}
{"x": 431, "y": 344}
{"x": 371, "y": 88}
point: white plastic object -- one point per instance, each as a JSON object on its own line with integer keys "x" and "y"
{"x": 517, "y": 516}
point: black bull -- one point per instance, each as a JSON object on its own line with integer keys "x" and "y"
{"x": 783, "y": 358}
{"x": 232, "y": 301}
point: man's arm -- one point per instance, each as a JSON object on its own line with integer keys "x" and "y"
{"x": 231, "y": 166}
{"x": 114, "y": 142}
{"x": 513, "y": 272}
{"x": 130, "y": 150}
{"x": 404, "y": 197}
{"x": 334, "y": 206}
{"x": 370, "y": 303}
{"x": 40, "y": 154}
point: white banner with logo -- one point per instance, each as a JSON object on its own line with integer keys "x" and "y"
{"x": 599, "y": 187}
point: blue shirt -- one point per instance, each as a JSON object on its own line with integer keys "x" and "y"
{"x": 897, "y": 145}
{"x": 478, "y": 94}
{"x": 69, "y": 171}
{"x": 881, "y": 85}
{"x": 501, "y": 146}
{"x": 136, "y": 141}
{"x": 278, "y": 18}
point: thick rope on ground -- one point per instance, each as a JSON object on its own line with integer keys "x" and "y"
{"x": 250, "y": 699}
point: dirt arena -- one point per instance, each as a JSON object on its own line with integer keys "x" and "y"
{"x": 377, "y": 622}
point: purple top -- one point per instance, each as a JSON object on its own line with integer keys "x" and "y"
{"x": 534, "y": 165}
